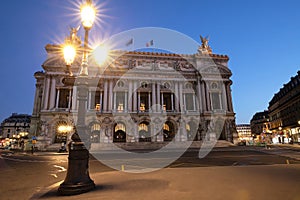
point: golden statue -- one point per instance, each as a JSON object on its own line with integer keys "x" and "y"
{"x": 204, "y": 48}
{"x": 74, "y": 37}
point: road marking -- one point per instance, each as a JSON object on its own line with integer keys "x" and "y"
{"x": 21, "y": 160}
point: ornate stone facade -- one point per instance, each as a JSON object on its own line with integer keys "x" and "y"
{"x": 138, "y": 97}
{"x": 284, "y": 111}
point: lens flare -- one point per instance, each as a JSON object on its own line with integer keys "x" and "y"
{"x": 69, "y": 52}
{"x": 101, "y": 54}
{"x": 88, "y": 15}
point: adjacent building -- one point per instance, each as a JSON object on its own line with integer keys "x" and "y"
{"x": 284, "y": 112}
{"x": 15, "y": 125}
{"x": 260, "y": 123}
{"x": 14, "y": 130}
{"x": 138, "y": 97}
{"x": 244, "y": 132}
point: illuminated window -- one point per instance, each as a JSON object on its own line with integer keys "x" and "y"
{"x": 98, "y": 106}
{"x": 166, "y": 127}
{"x": 95, "y": 127}
{"x": 143, "y": 127}
{"x": 120, "y": 126}
{"x": 188, "y": 127}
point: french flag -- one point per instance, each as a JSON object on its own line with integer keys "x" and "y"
{"x": 150, "y": 43}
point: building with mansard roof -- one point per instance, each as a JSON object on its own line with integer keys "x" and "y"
{"x": 15, "y": 125}
{"x": 138, "y": 97}
{"x": 284, "y": 111}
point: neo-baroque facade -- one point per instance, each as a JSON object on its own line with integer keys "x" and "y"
{"x": 138, "y": 97}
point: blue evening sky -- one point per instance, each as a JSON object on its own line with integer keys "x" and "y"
{"x": 261, "y": 37}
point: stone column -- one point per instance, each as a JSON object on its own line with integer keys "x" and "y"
{"x": 115, "y": 101}
{"x": 200, "y": 96}
{"x": 52, "y": 93}
{"x": 224, "y": 95}
{"x": 153, "y": 97}
{"x": 101, "y": 101}
{"x": 57, "y": 98}
{"x": 74, "y": 98}
{"x": 172, "y": 101}
{"x": 176, "y": 97}
{"x": 158, "y": 97}
{"x": 110, "y": 96}
{"x": 126, "y": 101}
{"x": 181, "y": 99}
{"x": 139, "y": 101}
{"x": 36, "y": 101}
{"x": 46, "y": 93}
{"x": 230, "y": 107}
{"x": 162, "y": 101}
{"x": 89, "y": 100}
{"x": 194, "y": 102}
{"x": 135, "y": 96}
{"x": 70, "y": 99}
{"x": 149, "y": 100}
{"x": 130, "y": 92}
{"x": 105, "y": 100}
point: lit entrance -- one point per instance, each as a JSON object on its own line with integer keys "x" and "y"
{"x": 144, "y": 132}
{"x": 169, "y": 131}
{"x": 119, "y": 133}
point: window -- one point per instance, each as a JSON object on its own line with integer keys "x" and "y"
{"x": 63, "y": 98}
{"x": 167, "y": 101}
{"x": 144, "y": 101}
{"x": 215, "y": 98}
{"x": 120, "y": 100}
{"x": 189, "y": 101}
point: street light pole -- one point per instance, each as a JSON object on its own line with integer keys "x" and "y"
{"x": 78, "y": 180}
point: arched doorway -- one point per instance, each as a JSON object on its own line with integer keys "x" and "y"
{"x": 168, "y": 131}
{"x": 191, "y": 131}
{"x": 144, "y": 132}
{"x": 95, "y": 133}
{"x": 119, "y": 132}
{"x": 62, "y": 129}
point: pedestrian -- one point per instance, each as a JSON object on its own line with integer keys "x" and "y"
{"x": 32, "y": 149}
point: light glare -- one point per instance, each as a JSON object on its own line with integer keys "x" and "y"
{"x": 101, "y": 54}
{"x": 69, "y": 54}
{"x": 88, "y": 15}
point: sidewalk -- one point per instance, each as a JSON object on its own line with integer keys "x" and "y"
{"x": 235, "y": 183}
{"x": 297, "y": 146}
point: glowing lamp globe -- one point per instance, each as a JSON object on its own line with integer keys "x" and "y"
{"x": 88, "y": 15}
{"x": 69, "y": 54}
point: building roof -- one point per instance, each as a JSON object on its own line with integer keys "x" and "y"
{"x": 293, "y": 83}
{"x": 260, "y": 115}
{"x": 15, "y": 118}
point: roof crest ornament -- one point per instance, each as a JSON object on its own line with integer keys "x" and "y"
{"x": 204, "y": 48}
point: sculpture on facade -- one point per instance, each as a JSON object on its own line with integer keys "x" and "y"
{"x": 204, "y": 48}
{"x": 75, "y": 39}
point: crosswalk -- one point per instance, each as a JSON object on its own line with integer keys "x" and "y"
{"x": 282, "y": 151}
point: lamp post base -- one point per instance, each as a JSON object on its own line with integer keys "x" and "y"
{"x": 77, "y": 180}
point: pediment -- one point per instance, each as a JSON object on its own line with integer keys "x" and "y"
{"x": 219, "y": 69}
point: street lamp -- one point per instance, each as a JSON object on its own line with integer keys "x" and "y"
{"x": 77, "y": 180}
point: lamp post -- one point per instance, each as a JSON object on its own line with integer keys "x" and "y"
{"x": 77, "y": 180}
